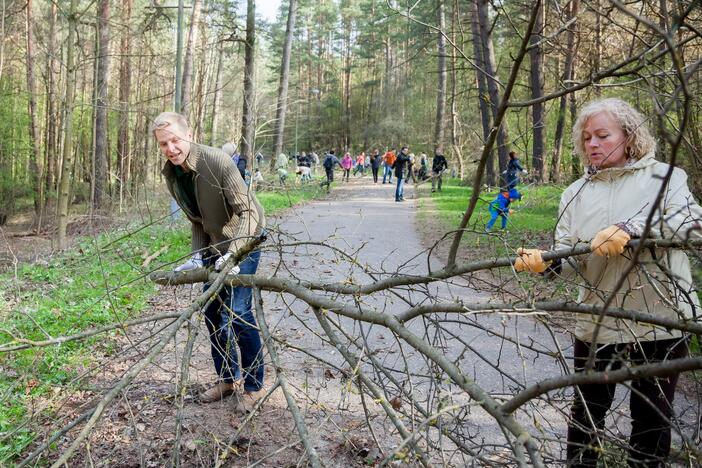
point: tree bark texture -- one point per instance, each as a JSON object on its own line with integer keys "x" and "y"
{"x": 536, "y": 81}
{"x": 186, "y": 97}
{"x": 102, "y": 79}
{"x": 247, "y": 128}
{"x": 441, "y": 90}
{"x": 65, "y": 181}
{"x": 491, "y": 80}
{"x": 125, "y": 77}
{"x": 284, "y": 80}
{"x": 35, "y": 167}
{"x": 483, "y": 95}
{"x": 567, "y": 77}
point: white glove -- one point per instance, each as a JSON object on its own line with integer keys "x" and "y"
{"x": 194, "y": 262}
{"x": 219, "y": 263}
{"x": 524, "y": 171}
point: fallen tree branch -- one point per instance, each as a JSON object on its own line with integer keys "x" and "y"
{"x": 282, "y": 380}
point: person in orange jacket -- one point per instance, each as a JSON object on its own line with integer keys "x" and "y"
{"x": 389, "y": 160}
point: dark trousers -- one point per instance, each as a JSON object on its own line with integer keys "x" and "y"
{"x": 375, "y": 174}
{"x": 231, "y": 324}
{"x": 650, "y": 403}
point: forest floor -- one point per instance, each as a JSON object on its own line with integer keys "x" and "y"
{"x": 362, "y": 219}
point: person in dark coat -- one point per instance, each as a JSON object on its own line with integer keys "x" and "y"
{"x": 513, "y": 170}
{"x": 399, "y": 166}
{"x": 438, "y": 166}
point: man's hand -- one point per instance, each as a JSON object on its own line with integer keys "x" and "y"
{"x": 219, "y": 263}
{"x": 610, "y": 242}
{"x": 530, "y": 260}
{"x": 194, "y": 262}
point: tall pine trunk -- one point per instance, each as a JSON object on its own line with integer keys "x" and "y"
{"x": 34, "y": 165}
{"x": 483, "y": 96}
{"x": 247, "y": 127}
{"x": 454, "y": 110}
{"x": 536, "y": 81}
{"x": 491, "y": 79}
{"x": 217, "y": 95}
{"x": 567, "y": 77}
{"x": 65, "y": 181}
{"x": 125, "y": 77}
{"x": 186, "y": 97}
{"x": 101, "y": 82}
{"x": 283, "y": 81}
{"x": 441, "y": 90}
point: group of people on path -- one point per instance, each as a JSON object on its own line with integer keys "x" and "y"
{"x": 616, "y": 200}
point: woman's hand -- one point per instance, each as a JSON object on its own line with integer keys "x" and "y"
{"x": 530, "y": 260}
{"x": 610, "y": 242}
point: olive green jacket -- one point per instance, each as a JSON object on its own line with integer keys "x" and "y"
{"x": 230, "y": 214}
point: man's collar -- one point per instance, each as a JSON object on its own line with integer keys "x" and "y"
{"x": 193, "y": 158}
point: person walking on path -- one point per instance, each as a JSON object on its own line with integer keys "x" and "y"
{"x": 315, "y": 161}
{"x": 438, "y": 166}
{"x": 514, "y": 168}
{"x": 500, "y": 207}
{"x": 330, "y": 160}
{"x": 611, "y": 204}
{"x": 388, "y": 160}
{"x": 360, "y": 164}
{"x": 400, "y": 166}
{"x": 375, "y": 160}
{"x": 224, "y": 214}
{"x": 346, "y": 165}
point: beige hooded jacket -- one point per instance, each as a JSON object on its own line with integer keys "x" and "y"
{"x": 661, "y": 283}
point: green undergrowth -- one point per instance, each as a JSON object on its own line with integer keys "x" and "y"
{"x": 530, "y": 225}
{"x": 100, "y": 281}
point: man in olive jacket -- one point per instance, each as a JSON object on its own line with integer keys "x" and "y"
{"x": 224, "y": 215}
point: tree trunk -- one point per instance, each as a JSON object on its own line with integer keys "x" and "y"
{"x": 125, "y": 77}
{"x": 454, "y": 110}
{"x": 491, "y": 77}
{"x": 567, "y": 77}
{"x": 247, "y": 127}
{"x": 51, "y": 147}
{"x": 217, "y": 95}
{"x": 536, "y": 81}
{"x": 35, "y": 167}
{"x": 188, "y": 61}
{"x": 65, "y": 182}
{"x": 347, "y": 85}
{"x": 441, "y": 91}
{"x": 483, "y": 96}
{"x": 102, "y": 79}
{"x": 283, "y": 81}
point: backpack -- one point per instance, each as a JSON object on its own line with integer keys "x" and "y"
{"x": 328, "y": 162}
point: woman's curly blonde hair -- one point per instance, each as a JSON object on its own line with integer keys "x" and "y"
{"x": 639, "y": 141}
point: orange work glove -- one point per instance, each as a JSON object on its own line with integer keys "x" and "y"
{"x": 530, "y": 260}
{"x": 610, "y": 242}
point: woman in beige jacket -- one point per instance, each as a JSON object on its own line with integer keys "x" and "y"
{"x": 607, "y": 207}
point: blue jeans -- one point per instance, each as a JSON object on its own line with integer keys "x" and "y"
{"x": 387, "y": 172}
{"x": 400, "y": 189}
{"x": 230, "y": 322}
{"x": 493, "y": 217}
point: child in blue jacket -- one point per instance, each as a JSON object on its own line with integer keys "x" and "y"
{"x": 500, "y": 207}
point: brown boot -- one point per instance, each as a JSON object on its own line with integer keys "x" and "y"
{"x": 218, "y": 392}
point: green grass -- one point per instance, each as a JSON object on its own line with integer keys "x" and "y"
{"x": 99, "y": 282}
{"x": 532, "y": 221}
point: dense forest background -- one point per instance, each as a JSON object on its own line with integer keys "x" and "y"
{"x": 81, "y": 80}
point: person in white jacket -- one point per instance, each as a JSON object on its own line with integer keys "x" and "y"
{"x": 615, "y": 201}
